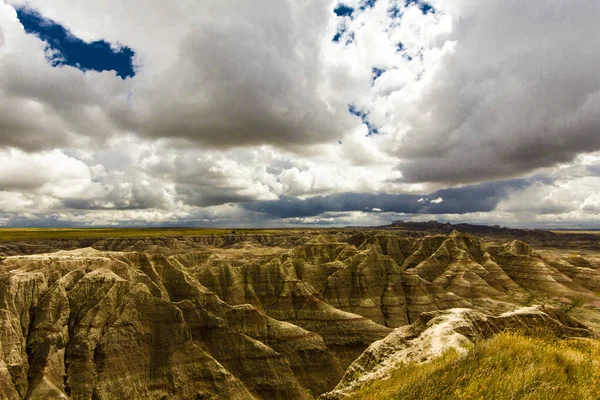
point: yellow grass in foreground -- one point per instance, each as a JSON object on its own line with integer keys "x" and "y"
{"x": 508, "y": 366}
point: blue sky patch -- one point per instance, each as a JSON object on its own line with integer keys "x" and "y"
{"x": 342, "y": 33}
{"x": 364, "y": 117}
{"x": 367, "y": 4}
{"x": 394, "y": 12}
{"x": 342, "y": 10}
{"x": 337, "y": 36}
{"x": 350, "y": 38}
{"x": 376, "y": 73}
{"x": 67, "y": 49}
{"x": 425, "y": 8}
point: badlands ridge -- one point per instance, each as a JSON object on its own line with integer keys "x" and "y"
{"x": 279, "y": 316}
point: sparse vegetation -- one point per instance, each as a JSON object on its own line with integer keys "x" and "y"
{"x": 356, "y": 375}
{"x": 576, "y": 232}
{"x": 12, "y": 234}
{"x": 529, "y": 300}
{"x": 571, "y": 305}
{"x": 508, "y": 366}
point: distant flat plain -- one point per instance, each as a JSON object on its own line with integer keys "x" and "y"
{"x": 12, "y": 234}
{"x": 575, "y": 231}
{"x": 16, "y": 234}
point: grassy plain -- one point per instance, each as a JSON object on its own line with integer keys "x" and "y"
{"x": 577, "y": 232}
{"x": 13, "y": 234}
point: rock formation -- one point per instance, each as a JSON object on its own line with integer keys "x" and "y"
{"x": 264, "y": 316}
{"x": 438, "y": 331}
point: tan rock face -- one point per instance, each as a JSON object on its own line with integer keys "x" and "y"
{"x": 259, "y": 316}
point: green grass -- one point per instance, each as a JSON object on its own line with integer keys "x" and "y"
{"x": 12, "y": 234}
{"x": 508, "y": 366}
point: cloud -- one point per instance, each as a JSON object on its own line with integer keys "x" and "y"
{"x": 250, "y": 114}
{"x": 474, "y": 198}
{"x": 245, "y": 75}
{"x": 230, "y": 74}
{"x": 571, "y": 194}
{"x": 44, "y": 107}
{"x": 519, "y": 91}
{"x": 23, "y": 171}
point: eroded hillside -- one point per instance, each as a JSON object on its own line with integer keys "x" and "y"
{"x": 263, "y": 316}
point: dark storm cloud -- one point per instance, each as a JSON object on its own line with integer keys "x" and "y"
{"x": 520, "y": 91}
{"x": 474, "y": 198}
{"x": 290, "y": 207}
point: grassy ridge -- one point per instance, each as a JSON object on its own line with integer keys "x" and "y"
{"x": 508, "y": 366}
{"x": 12, "y": 234}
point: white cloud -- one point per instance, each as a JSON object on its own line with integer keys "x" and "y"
{"x": 506, "y": 101}
{"x": 244, "y": 101}
{"x": 51, "y": 171}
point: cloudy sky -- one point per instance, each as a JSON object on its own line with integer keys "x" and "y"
{"x": 286, "y": 113}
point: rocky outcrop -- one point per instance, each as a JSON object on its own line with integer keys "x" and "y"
{"x": 436, "y": 332}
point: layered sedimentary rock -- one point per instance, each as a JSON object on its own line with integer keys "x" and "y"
{"x": 259, "y": 316}
{"x": 87, "y": 324}
{"x": 276, "y": 288}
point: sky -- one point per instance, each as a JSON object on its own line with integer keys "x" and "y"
{"x": 272, "y": 113}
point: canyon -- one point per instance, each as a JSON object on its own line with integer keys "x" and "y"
{"x": 283, "y": 315}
